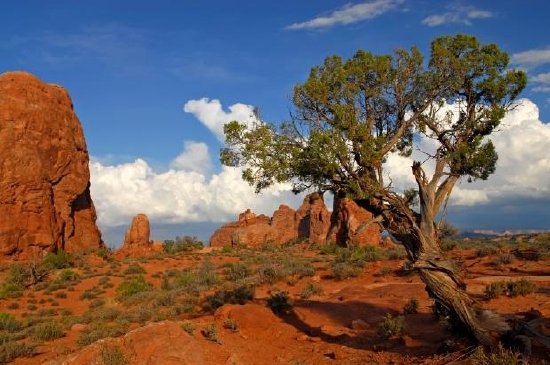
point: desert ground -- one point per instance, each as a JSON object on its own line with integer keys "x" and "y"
{"x": 291, "y": 304}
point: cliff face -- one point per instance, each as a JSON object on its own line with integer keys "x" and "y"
{"x": 45, "y": 201}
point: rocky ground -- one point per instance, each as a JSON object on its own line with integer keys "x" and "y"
{"x": 301, "y": 304}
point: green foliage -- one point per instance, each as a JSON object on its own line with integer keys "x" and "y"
{"x": 240, "y": 295}
{"x": 134, "y": 269}
{"x": 11, "y": 350}
{"x": 132, "y": 286}
{"x": 193, "y": 280}
{"x": 98, "y": 330}
{"x": 182, "y": 244}
{"x": 231, "y": 324}
{"x": 512, "y": 288}
{"x": 211, "y": 333}
{"x": 58, "y": 260}
{"x": 113, "y": 355}
{"x": 8, "y": 323}
{"x": 68, "y": 276}
{"x": 188, "y": 327}
{"x": 278, "y": 302}
{"x": 47, "y": 331}
{"x": 392, "y": 326}
{"x": 310, "y": 290}
{"x": 237, "y": 271}
{"x": 500, "y": 356}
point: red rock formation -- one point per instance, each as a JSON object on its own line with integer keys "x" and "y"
{"x": 45, "y": 201}
{"x": 349, "y": 224}
{"x": 313, "y": 219}
{"x": 137, "y": 239}
{"x": 284, "y": 223}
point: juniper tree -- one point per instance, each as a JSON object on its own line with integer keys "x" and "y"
{"x": 350, "y": 115}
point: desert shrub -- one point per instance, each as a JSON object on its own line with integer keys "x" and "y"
{"x": 329, "y": 249}
{"x": 58, "y": 260}
{"x": 96, "y": 303}
{"x": 278, "y": 302}
{"x": 486, "y": 250}
{"x": 132, "y": 286}
{"x": 503, "y": 259}
{"x": 32, "y": 307}
{"x": 395, "y": 253}
{"x": 211, "y": 333}
{"x": 513, "y": 288}
{"x": 392, "y": 326}
{"x": 237, "y": 271}
{"x": 448, "y": 245}
{"x": 311, "y": 289}
{"x": 342, "y": 270}
{"x": 98, "y": 330}
{"x": 385, "y": 271}
{"x": 8, "y": 323}
{"x": 11, "y": 350}
{"x": 194, "y": 281}
{"x": 105, "y": 253}
{"x": 61, "y": 295}
{"x": 240, "y": 295}
{"x": 113, "y": 355}
{"x": 182, "y": 244}
{"x": 88, "y": 294}
{"x": 231, "y": 324}
{"x": 104, "y": 280}
{"x": 164, "y": 298}
{"x": 68, "y": 276}
{"x": 295, "y": 266}
{"x": 500, "y": 356}
{"x": 270, "y": 273}
{"x": 134, "y": 269}
{"x": 411, "y": 306}
{"x": 47, "y": 331}
{"x": 188, "y": 327}
{"x": 10, "y": 290}
{"x": 521, "y": 287}
{"x": 530, "y": 254}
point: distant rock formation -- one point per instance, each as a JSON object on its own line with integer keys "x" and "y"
{"x": 137, "y": 240}
{"x": 311, "y": 222}
{"x": 45, "y": 201}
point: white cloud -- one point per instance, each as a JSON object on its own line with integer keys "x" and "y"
{"x": 531, "y": 58}
{"x": 457, "y": 14}
{"x": 211, "y": 114}
{"x": 194, "y": 157}
{"x": 348, "y": 14}
{"x": 542, "y": 81}
{"x": 523, "y": 167}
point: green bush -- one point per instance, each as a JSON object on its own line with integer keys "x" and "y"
{"x": 237, "y": 271}
{"x": 343, "y": 270}
{"x": 68, "y": 276}
{"x": 113, "y": 355}
{"x": 98, "y": 330}
{"x": 8, "y": 323}
{"x": 182, "y": 244}
{"x": 132, "y": 286}
{"x": 240, "y": 295}
{"x": 392, "y": 326}
{"x": 58, "y": 260}
{"x": 10, "y": 290}
{"x": 311, "y": 289}
{"x": 512, "y": 288}
{"x": 486, "y": 251}
{"x": 500, "y": 356}
{"x": 278, "y": 302}
{"x": 11, "y": 350}
{"x": 188, "y": 327}
{"x": 47, "y": 331}
{"x": 231, "y": 325}
{"x": 211, "y": 333}
{"x": 194, "y": 281}
{"x": 134, "y": 269}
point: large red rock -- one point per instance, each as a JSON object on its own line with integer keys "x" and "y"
{"x": 350, "y": 224}
{"x": 45, "y": 201}
{"x": 285, "y": 224}
{"x": 137, "y": 241}
{"x": 313, "y": 219}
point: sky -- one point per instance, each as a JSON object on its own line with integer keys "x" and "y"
{"x": 153, "y": 83}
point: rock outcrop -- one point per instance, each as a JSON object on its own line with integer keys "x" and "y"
{"x": 351, "y": 224}
{"x": 45, "y": 201}
{"x": 137, "y": 240}
{"x": 311, "y": 222}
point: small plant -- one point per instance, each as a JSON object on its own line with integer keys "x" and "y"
{"x": 13, "y": 305}
{"x": 342, "y": 270}
{"x": 411, "y": 306}
{"x": 513, "y": 288}
{"x": 311, "y": 289}
{"x": 486, "y": 251}
{"x": 495, "y": 290}
{"x": 134, "y": 269}
{"x": 46, "y": 331}
{"x": 96, "y": 303}
{"x": 240, "y": 295}
{"x": 385, "y": 271}
{"x": 11, "y": 350}
{"x": 278, "y": 302}
{"x": 188, "y": 327}
{"x": 67, "y": 276}
{"x": 132, "y": 286}
{"x": 503, "y": 259}
{"x": 237, "y": 271}
{"x": 58, "y": 260}
{"x": 231, "y": 324}
{"x": 392, "y": 326}
{"x": 211, "y": 333}
{"x": 113, "y": 355}
{"x": 500, "y": 356}
{"x": 8, "y": 323}
{"x": 61, "y": 295}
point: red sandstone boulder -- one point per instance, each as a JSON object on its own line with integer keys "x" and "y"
{"x": 137, "y": 239}
{"x": 284, "y": 223}
{"x": 313, "y": 219}
{"x": 350, "y": 224}
{"x": 45, "y": 201}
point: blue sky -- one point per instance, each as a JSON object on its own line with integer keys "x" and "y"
{"x": 130, "y": 66}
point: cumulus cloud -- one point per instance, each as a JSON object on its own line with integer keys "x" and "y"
{"x": 523, "y": 167}
{"x": 194, "y": 157}
{"x": 348, "y": 14}
{"x": 457, "y": 14}
{"x": 211, "y": 114}
{"x": 531, "y": 58}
